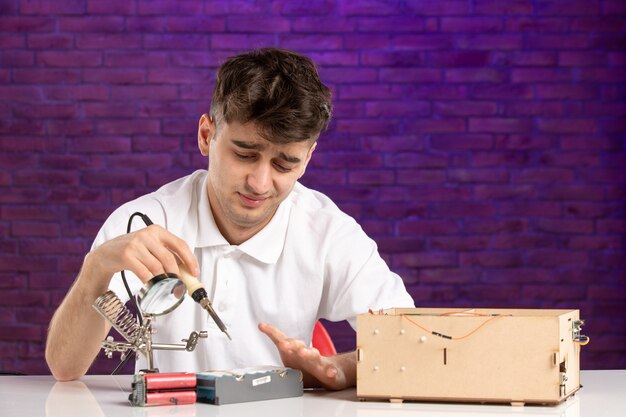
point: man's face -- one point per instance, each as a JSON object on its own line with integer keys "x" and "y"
{"x": 248, "y": 175}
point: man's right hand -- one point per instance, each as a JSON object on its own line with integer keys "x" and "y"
{"x": 147, "y": 252}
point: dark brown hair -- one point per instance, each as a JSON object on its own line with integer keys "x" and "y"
{"x": 278, "y": 90}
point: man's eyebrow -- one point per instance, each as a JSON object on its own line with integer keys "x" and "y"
{"x": 248, "y": 145}
{"x": 259, "y": 147}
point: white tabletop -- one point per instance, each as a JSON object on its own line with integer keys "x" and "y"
{"x": 603, "y": 394}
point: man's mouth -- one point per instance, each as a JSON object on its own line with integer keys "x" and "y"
{"x": 251, "y": 200}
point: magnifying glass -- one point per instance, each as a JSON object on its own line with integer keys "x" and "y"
{"x": 161, "y": 295}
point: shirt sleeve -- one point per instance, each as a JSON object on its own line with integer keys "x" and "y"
{"x": 357, "y": 278}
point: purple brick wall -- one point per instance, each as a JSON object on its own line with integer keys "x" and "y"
{"x": 480, "y": 142}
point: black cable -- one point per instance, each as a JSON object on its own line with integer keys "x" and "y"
{"x": 147, "y": 222}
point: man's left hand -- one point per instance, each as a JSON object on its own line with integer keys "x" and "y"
{"x": 331, "y": 372}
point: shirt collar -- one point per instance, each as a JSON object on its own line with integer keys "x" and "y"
{"x": 266, "y": 246}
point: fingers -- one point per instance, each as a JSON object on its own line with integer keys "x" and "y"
{"x": 149, "y": 252}
{"x": 273, "y": 333}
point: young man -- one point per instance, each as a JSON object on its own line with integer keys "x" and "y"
{"x": 273, "y": 255}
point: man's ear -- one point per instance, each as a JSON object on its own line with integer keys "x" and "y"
{"x": 206, "y": 131}
{"x": 308, "y": 158}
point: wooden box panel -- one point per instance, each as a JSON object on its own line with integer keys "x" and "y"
{"x": 485, "y": 355}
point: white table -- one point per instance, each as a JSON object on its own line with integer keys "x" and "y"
{"x": 603, "y": 394}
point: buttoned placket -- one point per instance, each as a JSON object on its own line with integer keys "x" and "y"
{"x": 225, "y": 270}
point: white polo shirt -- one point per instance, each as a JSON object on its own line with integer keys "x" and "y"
{"x": 311, "y": 261}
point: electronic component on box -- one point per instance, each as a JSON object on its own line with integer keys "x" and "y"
{"x": 249, "y": 384}
{"x": 150, "y": 389}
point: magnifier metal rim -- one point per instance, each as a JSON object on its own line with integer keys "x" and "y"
{"x": 146, "y": 289}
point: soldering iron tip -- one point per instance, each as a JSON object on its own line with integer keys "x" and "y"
{"x": 229, "y": 338}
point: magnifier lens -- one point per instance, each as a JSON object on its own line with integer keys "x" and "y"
{"x": 161, "y": 294}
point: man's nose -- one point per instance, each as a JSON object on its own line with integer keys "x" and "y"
{"x": 260, "y": 178}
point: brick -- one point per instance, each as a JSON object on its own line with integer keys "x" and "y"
{"x": 12, "y": 41}
{"x": 471, "y": 24}
{"x": 478, "y": 175}
{"x": 525, "y": 142}
{"x": 504, "y": 192}
{"x": 370, "y": 177}
{"x": 392, "y": 58}
{"x": 85, "y": 24}
{"x": 349, "y": 160}
{"x": 60, "y": 246}
{"x": 442, "y": 7}
{"x": 567, "y": 8}
{"x": 148, "y": 162}
{"x": 389, "y": 108}
{"x": 391, "y": 24}
{"x": 550, "y": 258}
{"x": 60, "y": 7}
{"x": 533, "y": 108}
{"x": 491, "y": 259}
{"x": 582, "y": 58}
{"x": 186, "y": 58}
{"x": 448, "y": 125}
{"x": 495, "y": 226}
{"x": 394, "y": 245}
{"x": 572, "y": 192}
{"x": 22, "y": 127}
{"x": 532, "y": 209}
{"x": 70, "y": 128}
{"x": 196, "y": 24}
{"x": 565, "y": 226}
{"x": 554, "y": 293}
{"x": 590, "y": 143}
{"x": 56, "y": 111}
{"x": 499, "y": 125}
{"x": 316, "y": 42}
{"x": 415, "y": 160}
{"x": 591, "y": 210}
{"x": 420, "y": 176}
{"x": 79, "y": 92}
{"x": 290, "y": 8}
{"x": 543, "y": 175}
{"x": 257, "y": 24}
{"x": 108, "y": 41}
{"x": 17, "y": 160}
{"x": 533, "y": 58}
{"x": 20, "y": 332}
{"x": 46, "y": 76}
{"x": 437, "y": 92}
{"x": 586, "y": 243}
{"x": 127, "y": 127}
{"x": 516, "y": 276}
{"x": 49, "y": 177}
{"x": 158, "y": 7}
{"x": 496, "y": 7}
{"x": 557, "y": 42}
{"x": 117, "y": 178}
{"x": 25, "y": 212}
{"x": 20, "y": 93}
{"x": 567, "y": 91}
{"x": 613, "y": 7}
{"x": 459, "y": 243}
{"x": 462, "y": 58}
{"x": 27, "y": 24}
{"x": 492, "y": 159}
{"x": 507, "y": 42}
{"x": 611, "y": 225}
{"x": 472, "y": 75}
{"x": 411, "y": 75}
{"x": 608, "y": 260}
{"x": 110, "y": 7}
{"x": 463, "y": 209}
{"x": 73, "y": 195}
{"x": 178, "y": 42}
{"x": 145, "y": 24}
{"x": 557, "y": 125}
{"x": 135, "y": 59}
{"x": 366, "y": 126}
{"x": 606, "y": 292}
{"x": 427, "y": 227}
{"x": 428, "y": 42}
{"x": 353, "y": 76}
{"x": 465, "y": 108}
{"x": 143, "y": 92}
{"x": 467, "y": 142}
{"x": 325, "y": 24}
{"x": 426, "y": 260}
{"x": 69, "y": 58}
{"x": 505, "y": 92}
{"x": 447, "y": 276}
{"x": 99, "y": 145}
{"x": 35, "y": 229}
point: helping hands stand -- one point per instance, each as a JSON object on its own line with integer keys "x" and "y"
{"x": 160, "y": 296}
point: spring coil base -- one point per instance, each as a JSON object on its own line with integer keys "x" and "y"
{"x": 122, "y": 320}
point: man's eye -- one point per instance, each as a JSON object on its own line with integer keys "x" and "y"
{"x": 243, "y": 156}
{"x": 281, "y": 168}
